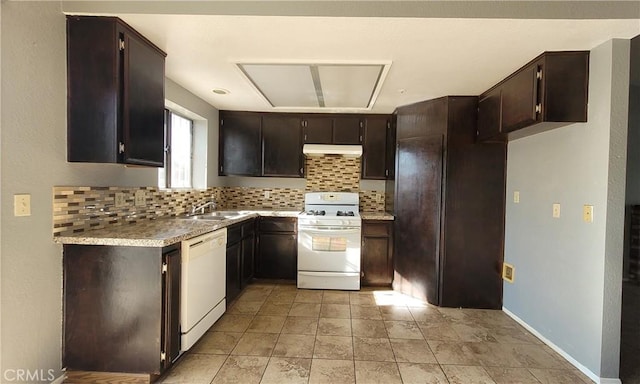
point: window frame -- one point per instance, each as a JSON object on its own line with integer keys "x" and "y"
{"x": 168, "y": 150}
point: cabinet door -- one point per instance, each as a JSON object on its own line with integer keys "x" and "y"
{"x": 282, "y": 145}
{"x": 346, "y": 129}
{"x": 143, "y": 103}
{"x": 240, "y": 144}
{"x": 377, "y": 253}
{"x": 489, "y": 115}
{"x": 233, "y": 271}
{"x": 248, "y": 260}
{"x": 318, "y": 129}
{"x": 519, "y": 99}
{"x": 277, "y": 256}
{"x": 172, "y": 307}
{"x": 374, "y": 148}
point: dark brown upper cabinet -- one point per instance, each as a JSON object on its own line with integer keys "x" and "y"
{"x": 332, "y": 129}
{"x": 240, "y": 143}
{"x": 548, "y": 92}
{"x": 115, "y": 92}
{"x": 282, "y": 145}
{"x": 374, "y": 147}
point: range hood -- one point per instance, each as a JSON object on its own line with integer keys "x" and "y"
{"x": 332, "y": 149}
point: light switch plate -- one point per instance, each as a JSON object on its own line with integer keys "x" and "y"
{"x": 556, "y": 210}
{"x": 516, "y": 197}
{"x": 139, "y": 199}
{"x": 22, "y": 204}
{"x": 587, "y": 213}
{"x": 121, "y": 199}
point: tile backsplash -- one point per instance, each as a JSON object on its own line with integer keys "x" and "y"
{"x": 333, "y": 173}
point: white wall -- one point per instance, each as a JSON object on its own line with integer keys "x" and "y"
{"x": 568, "y": 273}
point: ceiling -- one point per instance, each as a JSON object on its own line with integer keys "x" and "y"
{"x": 435, "y": 48}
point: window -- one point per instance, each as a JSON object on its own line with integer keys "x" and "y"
{"x": 177, "y": 172}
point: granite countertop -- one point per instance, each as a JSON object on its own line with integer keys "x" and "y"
{"x": 376, "y": 216}
{"x": 162, "y": 231}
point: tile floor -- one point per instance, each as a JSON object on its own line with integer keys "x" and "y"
{"x": 275, "y": 333}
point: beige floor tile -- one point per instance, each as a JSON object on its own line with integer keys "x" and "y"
{"x": 266, "y": 324}
{"x": 511, "y": 375}
{"x": 438, "y": 331}
{"x": 282, "y": 296}
{"x": 361, "y": 298}
{"x": 377, "y": 372}
{"x": 453, "y": 353}
{"x": 556, "y": 376}
{"x": 295, "y": 346}
{"x": 513, "y": 335}
{"x": 232, "y": 323}
{"x": 254, "y": 295}
{"x": 472, "y": 332}
{"x": 462, "y": 374}
{"x": 493, "y": 319}
{"x": 217, "y": 343}
{"x": 412, "y": 351}
{"x": 457, "y": 315}
{"x": 287, "y": 370}
{"x": 391, "y": 312}
{"x": 271, "y": 308}
{"x": 403, "y": 329}
{"x": 245, "y": 307}
{"x": 305, "y": 310}
{"x": 300, "y": 325}
{"x": 241, "y": 369}
{"x": 368, "y": 328}
{"x": 413, "y": 373}
{"x": 535, "y": 356}
{"x": 339, "y": 311}
{"x": 308, "y": 296}
{"x": 370, "y": 312}
{"x": 333, "y": 347}
{"x": 195, "y": 369}
{"x": 335, "y": 297}
{"x": 372, "y": 349}
{"x": 286, "y": 286}
{"x": 332, "y": 372}
{"x": 429, "y": 314}
{"x": 495, "y": 355}
{"x": 256, "y": 344}
{"x": 334, "y": 327}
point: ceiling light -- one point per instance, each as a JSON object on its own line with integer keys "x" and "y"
{"x": 221, "y": 91}
{"x": 317, "y": 86}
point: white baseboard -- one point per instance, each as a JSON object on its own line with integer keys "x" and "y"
{"x": 60, "y": 379}
{"x": 561, "y": 352}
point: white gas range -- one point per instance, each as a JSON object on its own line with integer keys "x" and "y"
{"x": 329, "y": 237}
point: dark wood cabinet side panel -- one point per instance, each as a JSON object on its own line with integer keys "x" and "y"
{"x": 92, "y": 90}
{"x": 112, "y": 308}
{"x": 282, "y": 145}
{"x": 417, "y": 205}
{"x": 346, "y": 129}
{"x": 490, "y": 117}
{"x": 474, "y": 214}
{"x": 248, "y": 260}
{"x": 233, "y": 271}
{"x": 143, "y": 104}
{"x": 375, "y": 148}
{"x": 173, "y": 278}
{"x": 422, "y": 119}
{"x": 240, "y": 144}
{"x": 566, "y": 79}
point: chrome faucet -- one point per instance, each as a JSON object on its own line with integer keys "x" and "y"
{"x": 202, "y": 206}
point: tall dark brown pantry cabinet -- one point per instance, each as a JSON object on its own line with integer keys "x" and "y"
{"x": 115, "y": 91}
{"x": 449, "y": 206}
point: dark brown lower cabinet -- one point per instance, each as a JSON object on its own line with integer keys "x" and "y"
{"x": 240, "y": 257}
{"x": 377, "y": 252}
{"x": 121, "y": 308}
{"x": 277, "y": 248}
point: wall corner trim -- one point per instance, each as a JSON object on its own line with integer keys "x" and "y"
{"x": 560, "y": 351}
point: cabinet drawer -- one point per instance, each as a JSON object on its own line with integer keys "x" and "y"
{"x": 278, "y": 224}
{"x": 234, "y": 234}
{"x": 376, "y": 229}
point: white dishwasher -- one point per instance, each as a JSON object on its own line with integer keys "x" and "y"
{"x": 202, "y": 296}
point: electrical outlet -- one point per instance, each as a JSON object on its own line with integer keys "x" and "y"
{"x": 140, "y": 198}
{"x": 587, "y": 213}
{"x": 22, "y": 205}
{"x": 516, "y": 197}
{"x": 267, "y": 194}
{"x": 121, "y": 199}
{"x": 556, "y": 210}
{"x": 508, "y": 272}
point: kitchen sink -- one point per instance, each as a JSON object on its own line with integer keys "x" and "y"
{"x": 217, "y": 215}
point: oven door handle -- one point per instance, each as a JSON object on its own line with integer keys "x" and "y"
{"x": 334, "y": 230}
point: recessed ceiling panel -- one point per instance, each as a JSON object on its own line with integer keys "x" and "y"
{"x": 283, "y": 85}
{"x": 348, "y": 86}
